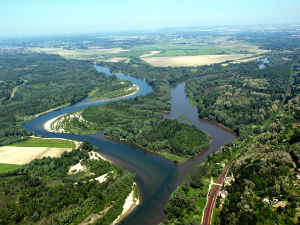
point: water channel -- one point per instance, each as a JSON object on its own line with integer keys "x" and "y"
{"x": 156, "y": 176}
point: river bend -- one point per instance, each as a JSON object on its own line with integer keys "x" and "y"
{"x": 156, "y": 176}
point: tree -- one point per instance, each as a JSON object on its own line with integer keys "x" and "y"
{"x": 86, "y": 145}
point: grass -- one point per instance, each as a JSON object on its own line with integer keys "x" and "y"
{"x": 4, "y": 168}
{"x": 188, "y": 48}
{"x": 183, "y": 118}
{"x": 207, "y": 50}
{"x": 172, "y": 157}
{"x": 41, "y": 142}
{"x": 192, "y": 102}
{"x": 97, "y": 94}
{"x": 213, "y": 219}
{"x": 38, "y": 84}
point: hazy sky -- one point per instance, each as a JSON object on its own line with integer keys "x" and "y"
{"x": 31, "y": 17}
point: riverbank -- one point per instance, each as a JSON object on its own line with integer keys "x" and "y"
{"x": 134, "y": 86}
{"x": 27, "y": 118}
{"x": 153, "y": 172}
{"x": 54, "y": 121}
{"x": 131, "y": 202}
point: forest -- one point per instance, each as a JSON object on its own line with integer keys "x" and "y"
{"x": 240, "y": 101}
{"x": 135, "y": 119}
{"x": 238, "y": 96}
{"x": 139, "y": 121}
{"x": 265, "y": 188}
{"x": 32, "y": 83}
{"x": 44, "y": 191}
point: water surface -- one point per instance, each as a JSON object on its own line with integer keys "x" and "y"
{"x": 156, "y": 176}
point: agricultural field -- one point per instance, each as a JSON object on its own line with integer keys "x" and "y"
{"x": 164, "y": 52}
{"x": 24, "y": 152}
{"x": 198, "y": 60}
{"x": 45, "y": 142}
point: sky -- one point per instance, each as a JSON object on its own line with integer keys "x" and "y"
{"x": 43, "y": 17}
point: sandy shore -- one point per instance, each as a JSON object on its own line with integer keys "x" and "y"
{"x": 47, "y": 124}
{"x": 130, "y": 204}
{"x": 96, "y": 155}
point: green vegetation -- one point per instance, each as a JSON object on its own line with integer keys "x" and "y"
{"x": 183, "y": 118}
{"x": 117, "y": 88}
{"x": 138, "y": 120}
{"x": 188, "y": 200}
{"x": 5, "y": 168}
{"x": 174, "y": 48}
{"x": 43, "y": 191}
{"x": 266, "y": 167}
{"x": 132, "y": 121}
{"x": 173, "y": 157}
{"x": 44, "y": 82}
{"x": 42, "y": 142}
{"x": 238, "y": 101}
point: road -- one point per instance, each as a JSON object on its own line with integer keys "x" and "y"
{"x": 206, "y": 220}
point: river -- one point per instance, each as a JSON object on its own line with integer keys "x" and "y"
{"x": 156, "y": 176}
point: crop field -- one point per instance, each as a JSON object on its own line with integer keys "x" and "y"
{"x": 45, "y": 142}
{"x": 163, "y": 53}
{"x": 197, "y": 60}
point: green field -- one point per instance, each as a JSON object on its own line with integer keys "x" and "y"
{"x": 118, "y": 89}
{"x": 173, "y": 157}
{"x": 183, "y": 118}
{"x": 171, "y": 49}
{"x": 4, "y": 168}
{"x": 41, "y": 142}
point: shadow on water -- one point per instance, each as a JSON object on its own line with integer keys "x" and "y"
{"x": 156, "y": 176}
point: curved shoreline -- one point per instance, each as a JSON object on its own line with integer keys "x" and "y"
{"x": 130, "y": 204}
{"x": 47, "y": 124}
{"x": 123, "y": 96}
{"x": 153, "y": 172}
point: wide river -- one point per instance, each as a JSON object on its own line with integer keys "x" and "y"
{"x": 156, "y": 176}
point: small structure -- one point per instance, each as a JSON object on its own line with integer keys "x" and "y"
{"x": 223, "y": 193}
{"x": 275, "y": 200}
{"x": 266, "y": 200}
{"x": 222, "y": 165}
{"x": 229, "y": 179}
{"x": 298, "y": 176}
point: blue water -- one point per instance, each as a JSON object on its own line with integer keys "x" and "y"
{"x": 263, "y": 61}
{"x": 156, "y": 176}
